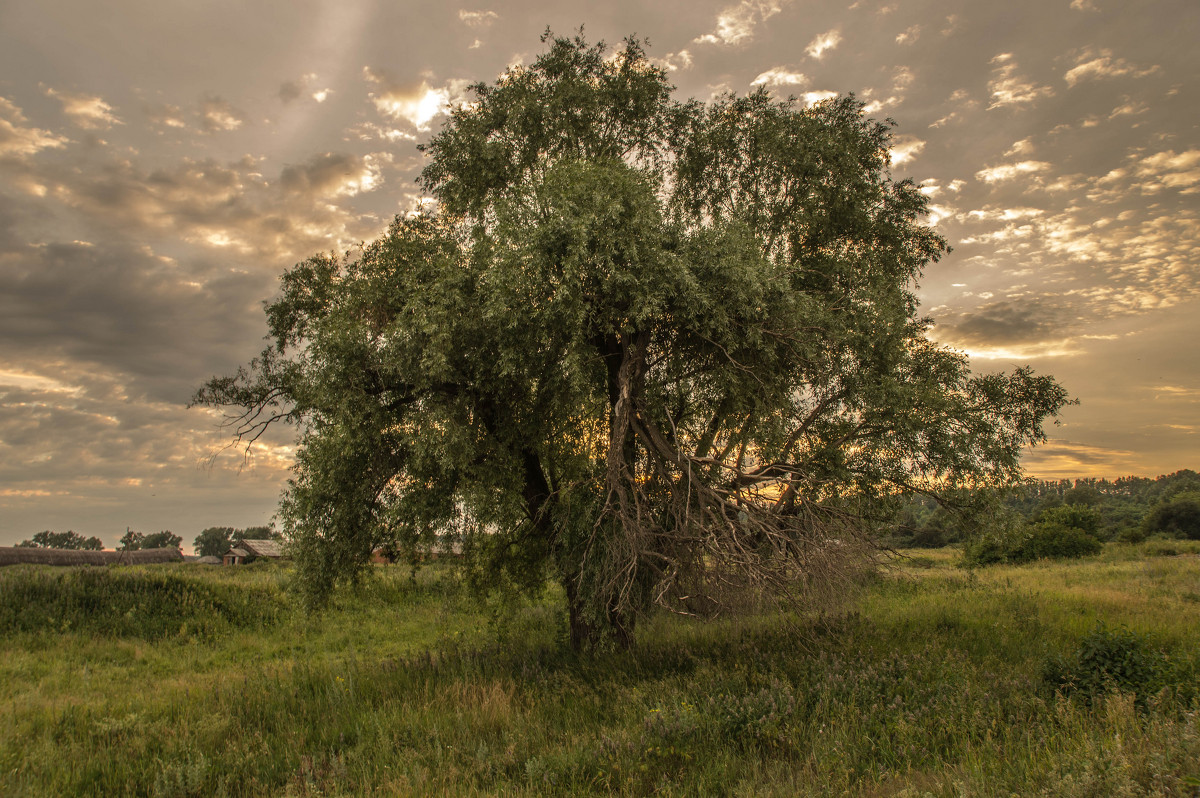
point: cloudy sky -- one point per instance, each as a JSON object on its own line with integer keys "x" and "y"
{"x": 161, "y": 163}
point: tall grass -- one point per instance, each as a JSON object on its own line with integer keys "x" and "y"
{"x": 148, "y": 603}
{"x": 932, "y": 683}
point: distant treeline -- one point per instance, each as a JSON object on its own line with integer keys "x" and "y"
{"x": 1128, "y": 509}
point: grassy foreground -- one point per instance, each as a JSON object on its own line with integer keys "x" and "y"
{"x": 184, "y": 680}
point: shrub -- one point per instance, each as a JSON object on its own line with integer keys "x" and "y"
{"x": 1060, "y": 533}
{"x": 1053, "y": 541}
{"x": 1106, "y": 660}
{"x": 1075, "y": 516}
{"x": 1178, "y": 517}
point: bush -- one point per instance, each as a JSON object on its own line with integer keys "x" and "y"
{"x": 1178, "y": 517}
{"x": 1052, "y": 541}
{"x": 1106, "y": 660}
{"x": 1076, "y": 516}
{"x": 1061, "y": 533}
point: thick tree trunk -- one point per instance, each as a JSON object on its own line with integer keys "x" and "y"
{"x": 584, "y": 634}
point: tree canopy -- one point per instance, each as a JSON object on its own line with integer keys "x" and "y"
{"x": 215, "y": 541}
{"x": 136, "y": 541}
{"x": 665, "y": 352}
{"x": 63, "y": 540}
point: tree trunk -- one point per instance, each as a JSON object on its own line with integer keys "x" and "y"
{"x": 584, "y": 634}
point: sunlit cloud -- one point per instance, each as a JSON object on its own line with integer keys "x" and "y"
{"x": 1129, "y": 108}
{"x": 1023, "y": 352}
{"x": 676, "y": 62}
{"x": 1171, "y": 169}
{"x": 736, "y": 24}
{"x": 909, "y": 35}
{"x": 1178, "y": 391}
{"x": 86, "y": 111}
{"x": 814, "y": 97}
{"x": 477, "y": 19}
{"x": 1067, "y": 459}
{"x": 1022, "y": 147}
{"x": 34, "y": 382}
{"x": 779, "y": 76}
{"x": 16, "y": 139}
{"x": 824, "y": 43}
{"x": 1095, "y": 65}
{"x": 1008, "y": 171}
{"x": 226, "y": 205}
{"x": 417, "y": 103}
{"x": 165, "y": 116}
{"x": 333, "y": 175}
{"x": 905, "y": 149}
{"x": 1007, "y": 88}
{"x": 292, "y": 90}
{"x": 370, "y": 131}
{"x": 217, "y": 115}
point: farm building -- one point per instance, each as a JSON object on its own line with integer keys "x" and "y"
{"x": 15, "y": 555}
{"x": 245, "y": 551}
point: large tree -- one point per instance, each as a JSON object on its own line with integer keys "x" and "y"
{"x": 666, "y": 352}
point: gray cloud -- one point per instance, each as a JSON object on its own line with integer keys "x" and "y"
{"x": 163, "y": 325}
{"x": 1010, "y": 321}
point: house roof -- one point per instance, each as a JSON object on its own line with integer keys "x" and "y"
{"x": 237, "y": 553}
{"x": 262, "y": 548}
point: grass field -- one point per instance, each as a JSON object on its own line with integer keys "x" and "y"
{"x": 934, "y": 680}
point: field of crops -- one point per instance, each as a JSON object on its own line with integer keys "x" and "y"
{"x": 1077, "y": 678}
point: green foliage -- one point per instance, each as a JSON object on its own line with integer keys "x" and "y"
{"x": 213, "y": 541}
{"x": 1178, "y": 516}
{"x": 135, "y": 541}
{"x": 1062, "y": 532}
{"x": 63, "y": 540}
{"x": 256, "y": 533}
{"x": 1107, "y": 660}
{"x": 162, "y": 540}
{"x": 1070, "y": 516}
{"x": 126, "y": 602}
{"x": 1052, "y": 541}
{"x": 216, "y": 540}
{"x": 664, "y": 352}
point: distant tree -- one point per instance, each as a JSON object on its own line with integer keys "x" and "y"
{"x": 1082, "y": 493}
{"x": 1079, "y": 516}
{"x": 214, "y": 541}
{"x": 257, "y": 533}
{"x": 1178, "y": 516}
{"x": 63, "y": 540}
{"x": 162, "y": 540}
{"x": 663, "y": 351}
{"x": 131, "y": 541}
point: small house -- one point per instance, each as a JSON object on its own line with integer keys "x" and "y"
{"x": 235, "y": 556}
{"x": 245, "y": 551}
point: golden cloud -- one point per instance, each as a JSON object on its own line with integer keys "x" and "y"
{"x": 16, "y": 139}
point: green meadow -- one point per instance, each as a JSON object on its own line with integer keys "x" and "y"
{"x": 1071, "y": 678}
